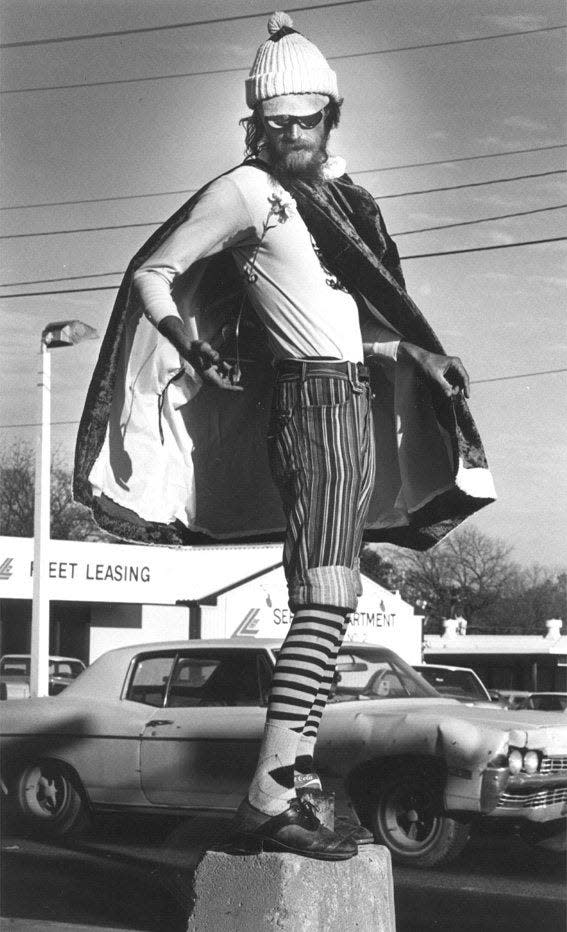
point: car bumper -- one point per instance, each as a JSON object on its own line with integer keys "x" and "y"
{"x": 537, "y": 798}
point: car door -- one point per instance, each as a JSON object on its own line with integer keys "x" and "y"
{"x": 199, "y": 746}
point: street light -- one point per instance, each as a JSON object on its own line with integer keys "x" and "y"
{"x": 61, "y": 333}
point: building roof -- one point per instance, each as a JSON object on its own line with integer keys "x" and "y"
{"x": 494, "y": 644}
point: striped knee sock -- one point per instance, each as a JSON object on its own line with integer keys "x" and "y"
{"x": 301, "y": 666}
{"x": 305, "y": 749}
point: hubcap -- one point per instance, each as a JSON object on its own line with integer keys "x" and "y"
{"x": 408, "y": 820}
{"x": 46, "y": 794}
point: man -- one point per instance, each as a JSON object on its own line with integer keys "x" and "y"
{"x": 318, "y": 274}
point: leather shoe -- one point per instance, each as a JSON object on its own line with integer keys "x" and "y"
{"x": 297, "y": 830}
{"x": 349, "y": 828}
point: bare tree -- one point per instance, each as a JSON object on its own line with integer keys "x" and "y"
{"x": 465, "y": 575}
{"x": 69, "y": 520}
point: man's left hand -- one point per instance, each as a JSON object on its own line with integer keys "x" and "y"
{"x": 447, "y": 372}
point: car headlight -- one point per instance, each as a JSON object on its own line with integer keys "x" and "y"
{"x": 531, "y": 762}
{"x": 515, "y": 761}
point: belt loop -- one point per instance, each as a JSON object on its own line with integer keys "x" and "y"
{"x": 302, "y": 379}
{"x": 357, "y": 385}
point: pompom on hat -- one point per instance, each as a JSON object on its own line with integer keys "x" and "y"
{"x": 288, "y": 63}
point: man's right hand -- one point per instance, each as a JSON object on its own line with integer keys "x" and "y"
{"x": 205, "y": 360}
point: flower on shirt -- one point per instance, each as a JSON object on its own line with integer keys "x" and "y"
{"x": 282, "y": 205}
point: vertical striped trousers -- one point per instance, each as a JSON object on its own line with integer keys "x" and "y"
{"x": 321, "y": 448}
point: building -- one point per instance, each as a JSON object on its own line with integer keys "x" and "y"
{"x": 106, "y": 595}
{"x": 505, "y": 662}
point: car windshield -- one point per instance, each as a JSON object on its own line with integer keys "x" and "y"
{"x": 459, "y": 684}
{"x": 367, "y": 672}
{"x": 15, "y": 666}
{"x": 65, "y": 668}
{"x": 20, "y": 666}
{"x": 547, "y": 702}
{"x": 375, "y": 673}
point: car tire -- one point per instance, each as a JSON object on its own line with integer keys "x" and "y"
{"x": 49, "y": 800}
{"x": 407, "y": 817}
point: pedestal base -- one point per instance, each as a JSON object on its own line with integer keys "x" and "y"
{"x": 260, "y": 893}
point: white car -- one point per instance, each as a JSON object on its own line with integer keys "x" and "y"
{"x": 15, "y": 674}
{"x": 460, "y": 683}
{"x": 176, "y": 727}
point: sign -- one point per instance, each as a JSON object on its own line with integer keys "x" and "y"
{"x": 260, "y": 609}
{"x": 100, "y": 572}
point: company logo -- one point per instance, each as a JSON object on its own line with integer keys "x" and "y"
{"x": 6, "y": 568}
{"x": 249, "y": 626}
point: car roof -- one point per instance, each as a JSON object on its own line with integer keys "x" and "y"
{"x": 547, "y": 694}
{"x": 439, "y": 666}
{"x": 28, "y": 656}
{"x": 239, "y": 643}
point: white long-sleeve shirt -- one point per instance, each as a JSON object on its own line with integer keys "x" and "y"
{"x": 304, "y": 312}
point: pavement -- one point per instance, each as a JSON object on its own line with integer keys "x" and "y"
{"x": 135, "y": 875}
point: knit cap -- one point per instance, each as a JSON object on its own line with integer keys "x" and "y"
{"x": 288, "y": 63}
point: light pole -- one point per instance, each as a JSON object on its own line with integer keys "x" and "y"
{"x": 61, "y": 333}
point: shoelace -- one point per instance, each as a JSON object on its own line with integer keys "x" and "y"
{"x": 308, "y": 809}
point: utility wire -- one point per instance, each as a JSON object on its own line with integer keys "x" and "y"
{"x": 381, "y": 197}
{"x": 455, "y": 252}
{"x": 118, "y": 226}
{"x": 507, "y": 378}
{"x": 362, "y": 171}
{"x": 462, "y": 158}
{"x": 442, "y": 226}
{"x": 63, "y": 278}
{"x": 184, "y": 25}
{"x": 470, "y": 184}
{"x": 424, "y": 255}
{"x": 214, "y": 71}
{"x": 467, "y": 223}
{"x": 499, "y": 378}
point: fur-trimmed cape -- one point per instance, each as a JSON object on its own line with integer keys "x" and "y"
{"x": 162, "y": 458}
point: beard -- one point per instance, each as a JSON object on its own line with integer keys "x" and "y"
{"x": 296, "y": 161}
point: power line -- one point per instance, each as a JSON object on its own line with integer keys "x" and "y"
{"x": 381, "y": 197}
{"x": 213, "y": 71}
{"x": 507, "y": 378}
{"x": 443, "y": 226}
{"x": 499, "y": 378}
{"x": 118, "y": 226}
{"x": 470, "y": 184}
{"x": 362, "y": 171}
{"x": 184, "y": 25}
{"x": 462, "y": 158}
{"x": 425, "y": 255}
{"x": 466, "y": 223}
{"x": 455, "y": 252}
{"x": 101, "y": 200}
{"x": 61, "y": 278}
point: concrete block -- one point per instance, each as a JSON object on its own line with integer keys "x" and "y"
{"x": 289, "y": 893}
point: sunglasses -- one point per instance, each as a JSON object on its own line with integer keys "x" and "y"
{"x": 305, "y": 122}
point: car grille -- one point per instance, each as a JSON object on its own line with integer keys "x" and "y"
{"x": 553, "y": 765}
{"x": 536, "y": 800}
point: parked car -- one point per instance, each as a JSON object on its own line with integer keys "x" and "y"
{"x": 545, "y": 702}
{"x": 460, "y": 683}
{"x": 175, "y": 727}
{"x": 511, "y": 698}
{"x": 15, "y": 674}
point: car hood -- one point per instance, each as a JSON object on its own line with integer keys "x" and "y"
{"x": 452, "y": 728}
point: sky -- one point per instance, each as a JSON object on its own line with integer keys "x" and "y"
{"x": 141, "y": 126}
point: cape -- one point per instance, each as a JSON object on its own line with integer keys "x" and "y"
{"x": 162, "y": 457}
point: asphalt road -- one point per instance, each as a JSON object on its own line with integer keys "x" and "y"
{"x": 135, "y": 874}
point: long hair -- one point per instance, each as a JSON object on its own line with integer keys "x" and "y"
{"x": 254, "y": 128}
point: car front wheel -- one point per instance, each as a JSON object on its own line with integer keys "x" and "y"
{"x": 407, "y": 817}
{"x": 49, "y": 801}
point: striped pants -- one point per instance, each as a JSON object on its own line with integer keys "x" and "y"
{"x": 321, "y": 448}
